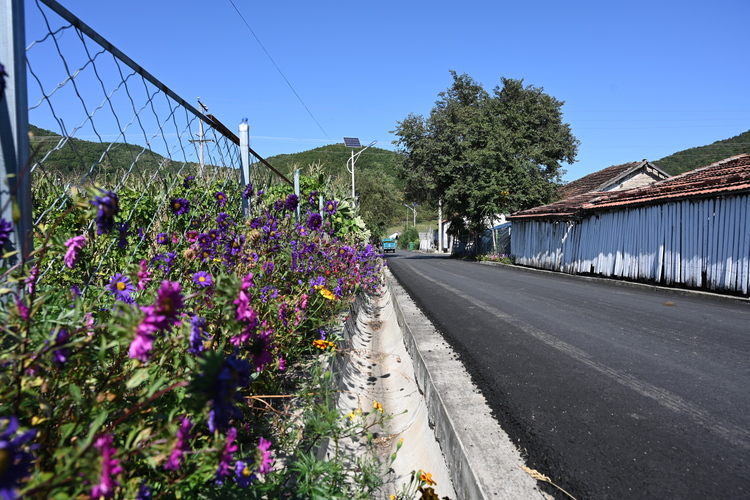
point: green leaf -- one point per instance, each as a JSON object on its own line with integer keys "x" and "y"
{"x": 137, "y": 379}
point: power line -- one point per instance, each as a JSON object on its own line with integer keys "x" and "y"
{"x": 278, "y": 69}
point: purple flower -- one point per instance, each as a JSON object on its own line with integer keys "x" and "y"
{"x": 15, "y": 462}
{"x": 162, "y": 239}
{"x": 144, "y": 492}
{"x": 180, "y": 446}
{"x": 197, "y": 328}
{"x": 203, "y": 279}
{"x": 314, "y": 221}
{"x": 248, "y": 190}
{"x": 260, "y": 350}
{"x": 186, "y": 181}
{"x": 267, "y": 267}
{"x": 30, "y": 282}
{"x": 121, "y": 288}
{"x": 312, "y": 199}
{"x": 108, "y": 206}
{"x": 225, "y": 459}
{"x": 179, "y": 206}
{"x": 6, "y": 228}
{"x": 224, "y": 221}
{"x": 291, "y": 202}
{"x": 74, "y": 244}
{"x": 60, "y": 355}
{"x": 234, "y": 246}
{"x": 234, "y": 373}
{"x": 243, "y": 474}
{"x": 110, "y": 468}
{"x": 122, "y": 228}
{"x": 221, "y": 198}
{"x": 331, "y": 206}
{"x": 169, "y": 301}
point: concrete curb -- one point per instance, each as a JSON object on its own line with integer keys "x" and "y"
{"x": 483, "y": 462}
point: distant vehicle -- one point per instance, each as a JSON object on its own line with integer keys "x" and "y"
{"x": 389, "y": 245}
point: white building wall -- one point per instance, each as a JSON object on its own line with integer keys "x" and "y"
{"x": 698, "y": 243}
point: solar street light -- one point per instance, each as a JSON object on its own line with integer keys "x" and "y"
{"x": 353, "y": 142}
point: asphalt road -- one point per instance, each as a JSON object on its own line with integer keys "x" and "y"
{"x": 613, "y": 391}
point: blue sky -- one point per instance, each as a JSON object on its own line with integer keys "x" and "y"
{"x": 640, "y": 79}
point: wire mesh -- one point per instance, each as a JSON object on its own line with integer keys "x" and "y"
{"x": 98, "y": 119}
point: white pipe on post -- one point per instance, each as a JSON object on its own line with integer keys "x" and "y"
{"x": 245, "y": 157}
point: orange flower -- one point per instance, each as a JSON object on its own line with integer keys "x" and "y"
{"x": 324, "y": 344}
{"x": 377, "y": 406}
{"x": 427, "y": 477}
{"x": 326, "y": 293}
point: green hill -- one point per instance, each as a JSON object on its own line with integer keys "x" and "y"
{"x": 77, "y": 157}
{"x": 690, "y": 159}
{"x": 332, "y": 161}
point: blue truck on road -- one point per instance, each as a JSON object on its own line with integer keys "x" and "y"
{"x": 389, "y": 245}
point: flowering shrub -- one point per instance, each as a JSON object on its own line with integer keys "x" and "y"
{"x": 153, "y": 346}
{"x": 502, "y": 258}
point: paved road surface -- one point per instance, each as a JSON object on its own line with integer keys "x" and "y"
{"x": 612, "y": 391}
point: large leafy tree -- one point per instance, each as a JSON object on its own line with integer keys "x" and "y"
{"x": 483, "y": 153}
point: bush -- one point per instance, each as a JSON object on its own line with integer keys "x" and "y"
{"x": 410, "y": 235}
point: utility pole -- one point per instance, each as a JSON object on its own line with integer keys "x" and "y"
{"x": 200, "y": 139}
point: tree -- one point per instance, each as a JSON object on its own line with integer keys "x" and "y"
{"x": 378, "y": 201}
{"x": 483, "y": 153}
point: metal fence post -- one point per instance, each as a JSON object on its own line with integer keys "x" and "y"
{"x": 15, "y": 178}
{"x": 297, "y": 191}
{"x": 245, "y": 156}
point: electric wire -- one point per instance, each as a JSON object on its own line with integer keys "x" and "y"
{"x": 279, "y": 70}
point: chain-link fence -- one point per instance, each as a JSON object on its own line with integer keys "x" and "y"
{"x": 494, "y": 241}
{"x": 96, "y": 118}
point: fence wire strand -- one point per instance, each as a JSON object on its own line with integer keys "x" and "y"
{"x": 145, "y": 134}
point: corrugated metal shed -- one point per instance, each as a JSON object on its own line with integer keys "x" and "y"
{"x": 692, "y": 229}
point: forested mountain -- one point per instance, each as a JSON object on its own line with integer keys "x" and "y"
{"x": 332, "y": 161}
{"x": 76, "y": 157}
{"x": 690, "y": 159}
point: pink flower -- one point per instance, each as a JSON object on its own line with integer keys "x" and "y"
{"x": 144, "y": 275}
{"x": 74, "y": 244}
{"x": 282, "y": 364}
{"x": 225, "y": 459}
{"x": 263, "y": 461}
{"x": 143, "y": 342}
{"x": 110, "y": 467}
{"x": 244, "y": 311}
{"x": 23, "y": 311}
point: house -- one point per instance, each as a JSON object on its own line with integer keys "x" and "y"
{"x": 689, "y": 230}
{"x": 615, "y": 178}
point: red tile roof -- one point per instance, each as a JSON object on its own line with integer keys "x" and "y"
{"x": 731, "y": 175}
{"x": 597, "y": 181}
{"x": 724, "y": 177}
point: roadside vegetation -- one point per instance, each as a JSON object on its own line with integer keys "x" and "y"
{"x": 160, "y": 344}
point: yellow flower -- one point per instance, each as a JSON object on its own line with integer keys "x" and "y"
{"x": 325, "y": 292}
{"x": 351, "y": 415}
{"x": 427, "y": 477}
{"x": 377, "y": 406}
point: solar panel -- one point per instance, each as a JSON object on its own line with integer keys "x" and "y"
{"x": 352, "y": 142}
